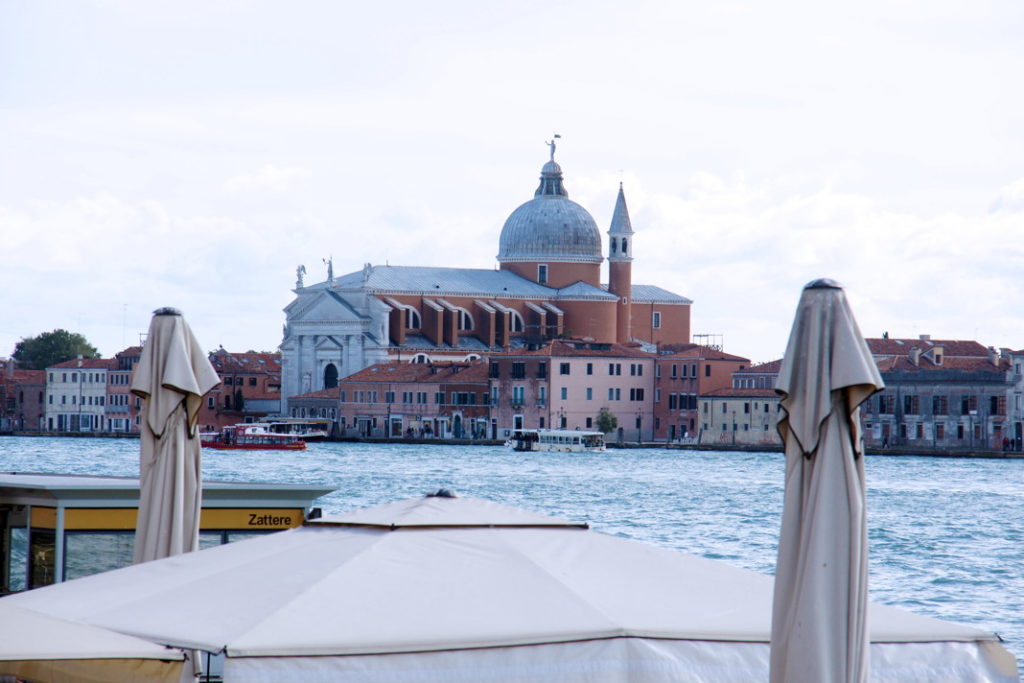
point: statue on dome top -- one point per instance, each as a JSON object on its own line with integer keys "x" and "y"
{"x": 551, "y": 144}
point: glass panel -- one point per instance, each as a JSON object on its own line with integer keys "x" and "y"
{"x": 210, "y": 539}
{"x": 92, "y": 552}
{"x": 43, "y": 553}
{"x": 18, "y": 560}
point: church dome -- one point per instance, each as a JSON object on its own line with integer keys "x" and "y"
{"x": 550, "y": 227}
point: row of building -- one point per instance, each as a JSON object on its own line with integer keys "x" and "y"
{"x": 945, "y": 394}
{"x": 93, "y": 395}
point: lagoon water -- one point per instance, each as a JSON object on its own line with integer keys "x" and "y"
{"x": 946, "y": 535}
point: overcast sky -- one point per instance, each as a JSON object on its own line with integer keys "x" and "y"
{"x": 193, "y": 153}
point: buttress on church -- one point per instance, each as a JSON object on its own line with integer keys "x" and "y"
{"x": 548, "y": 285}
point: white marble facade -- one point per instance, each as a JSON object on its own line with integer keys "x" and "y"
{"x": 330, "y": 330}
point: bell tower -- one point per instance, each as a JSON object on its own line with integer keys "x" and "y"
{"x": 620, "y": 267}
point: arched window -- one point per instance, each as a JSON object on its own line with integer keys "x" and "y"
{"x": 625, "y": 246}
{"x": 420, "y": 358}
{"x": 465, "y": 320}
{"x": 472, "y": 356}
{"x": 330, "y": 376}
{"x": 412, "y": 319}
{"x": 615, "y": 244}
{"x": 516, "y": 321}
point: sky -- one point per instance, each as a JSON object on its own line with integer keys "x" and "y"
{"x": 194, "y": 153}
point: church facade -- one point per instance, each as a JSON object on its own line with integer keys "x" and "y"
{"x": 548, "y": 285}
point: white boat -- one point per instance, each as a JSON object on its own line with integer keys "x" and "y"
{"x": 307, "y": 429}
{"x": 555, "y": 440}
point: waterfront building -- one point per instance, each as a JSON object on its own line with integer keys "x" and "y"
{"x": 565, "y": 383}
{"x": 683, "y": 373}
{"x": 732, "y": 416}
{"x": 249, "y": 389}
{"x": 447, "y": 400}
{"x": 548, "y": 285}
{"x": 22, "y": 397}
{"x": 945, "y": 394}
{"x": 745, "y": 413}
{"x": 123, "y": 407}
{"x": 76, "y": 395}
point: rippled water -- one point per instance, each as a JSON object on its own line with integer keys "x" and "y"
{"x": 946, "y": 536}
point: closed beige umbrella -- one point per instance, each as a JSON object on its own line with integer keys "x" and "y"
{"x": 819, "y": 612}
{"x": 172, "y": 376}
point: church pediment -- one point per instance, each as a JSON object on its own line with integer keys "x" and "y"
{"x": 322, "y": 305}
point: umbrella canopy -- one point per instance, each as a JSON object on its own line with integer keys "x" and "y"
{"x": 172, "y": 376}
{"x": 41, "y": 647}
{"x": 442, "y": 589}
{"x": 819, "y": 629}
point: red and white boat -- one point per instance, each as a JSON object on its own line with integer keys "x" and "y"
{"x": 251, "y": 437}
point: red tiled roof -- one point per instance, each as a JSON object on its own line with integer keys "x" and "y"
{"x": 901, "y": 347}
{"x": 564, "y": 348}
{"x": 903, "y": 364}
{"x": 395, "y": 371}
{"x": 705, "y": 353}
{"x": 226, "y": 362}
{"x": 769, "y": 368}
{"x": 88, "y": 364}
{"x": 23, "y": 377}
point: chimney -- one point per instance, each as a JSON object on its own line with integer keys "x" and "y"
{"x": 993, "y": 357}
{"x": 915, "y": 356}
{"x": 926, "y": 337}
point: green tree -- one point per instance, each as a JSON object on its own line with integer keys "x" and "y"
{"x": 606, "y": 421}
{"x": 50, "y": 348}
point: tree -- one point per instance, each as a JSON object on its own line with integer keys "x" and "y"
{"x": 606, "y": 421}
{"x": 50, "y": 348}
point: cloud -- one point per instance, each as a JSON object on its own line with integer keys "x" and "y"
{"x": 268, "y": 177}
{"x": 1010, "y": 198}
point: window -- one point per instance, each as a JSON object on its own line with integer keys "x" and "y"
{"x": 707, "y": 371}
{"x": 746, "y": 408}
{"x": 252, "y": 381}
{"x": 389, "y": 397}
{"x": 940, "y": 405}
{"x": 542, "y": 395}
{"x": 590, "y": 368}
{"x": 518, "y": 369}
{"x": 542, "y": 370}
{"x": 518, "y": 395}
{"x": 590, "y": 393}
{"x": 657, "y": 395}
{"x": 412, "y": 319}
{"x": 911, "y": 405}
{"x": 515, "y": 321}
{"x": 674, "y": 370}
{"x": 565, "y": 393}
{"x": 465, "y": 319}
{"x": 615, "y": 368}
{"x": 542, "y": 273}
{"x": 495, "y": 370}
{"x": 563, "y": 369}
{"x": 590, "y": 422}
{"x": 940, "y": 430}
{"x": 656, "y": 320}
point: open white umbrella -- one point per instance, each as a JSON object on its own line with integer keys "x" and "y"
{"x": 172, "y": 376}
{"x": 459, "y": 589}
{"x": 819, "y": 627}
{"x": 40, "y": 647}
